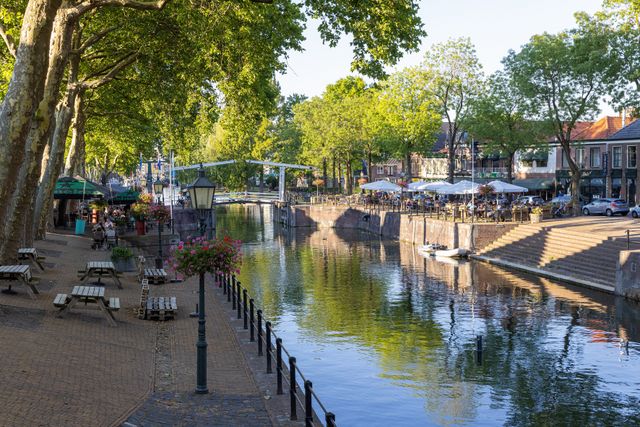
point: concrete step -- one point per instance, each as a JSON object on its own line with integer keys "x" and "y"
{"x": 601, "y": 277}
{"x": 588, "y": 259}
{"x": 579, "y": 268}
{"x": 556, "y": 246}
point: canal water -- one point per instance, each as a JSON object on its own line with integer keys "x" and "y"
{"x": 389, "y": 338}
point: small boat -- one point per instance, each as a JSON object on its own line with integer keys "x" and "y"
{"x": 452, "y": 253}
{"x": 430, "y": 248}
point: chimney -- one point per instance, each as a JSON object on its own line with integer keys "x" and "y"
{"x": 623, "y": 115}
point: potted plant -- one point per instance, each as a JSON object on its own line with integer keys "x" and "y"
{"x": 536, "y": 214}
{"x": 122, "y": 258}
{"x": 140, "y": 211}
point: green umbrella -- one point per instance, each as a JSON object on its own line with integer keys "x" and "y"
{"x": 75, "y": 188}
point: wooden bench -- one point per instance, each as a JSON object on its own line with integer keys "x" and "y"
{"x": 60, "y": 300}
{"x": 161, "y": 308}
{"x": 155, "y": 276}
{"x": 114, "y": 304}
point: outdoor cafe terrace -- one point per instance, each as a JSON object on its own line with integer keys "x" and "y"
{"x": 466, "y": 203}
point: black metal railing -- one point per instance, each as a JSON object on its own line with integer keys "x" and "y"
{"x": 270, "y": 346}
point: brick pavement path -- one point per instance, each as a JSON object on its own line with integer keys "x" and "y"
{"x": 77, "y": 370}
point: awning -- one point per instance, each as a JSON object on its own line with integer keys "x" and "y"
{"x": 75, "y": 188}
{"x": 534, "y": 155}
{"x": 128, "y": 196}
{"x": 535, "y": 183}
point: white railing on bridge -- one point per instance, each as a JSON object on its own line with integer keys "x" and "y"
{"x": 247, "y": 197}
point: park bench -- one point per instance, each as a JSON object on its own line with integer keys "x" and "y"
{"x": 156, "y": 308}
{"x": 161, "y": 308}
{"x": 114, "y": 304}
{"x": 61, "y": 300}
{"x": 155, "y": 276}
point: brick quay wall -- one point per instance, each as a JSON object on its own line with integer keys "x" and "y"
{"x": 415, "y": 229}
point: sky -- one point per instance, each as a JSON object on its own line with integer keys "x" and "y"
{"x": 494, "y": 26}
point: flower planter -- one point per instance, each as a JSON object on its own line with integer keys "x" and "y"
{"x": 535, "y": 218}
{"x": 140, "y": 228}
{"x": 124, "y": 264}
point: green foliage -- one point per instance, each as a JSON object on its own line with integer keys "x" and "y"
{"x": 411, "y": 113}
{"x": 121, "y": 252}
{"x": 499, "y": 120}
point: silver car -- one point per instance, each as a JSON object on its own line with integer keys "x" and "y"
{"x": 607, "y": 207}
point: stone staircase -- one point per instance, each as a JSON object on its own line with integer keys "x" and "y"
{"x": 590, "y": 258}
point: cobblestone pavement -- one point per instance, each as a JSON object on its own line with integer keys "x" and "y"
{"x": 79, "y": 371}
{"x": 189, "y": 409}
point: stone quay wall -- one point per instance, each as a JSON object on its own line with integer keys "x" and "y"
{"x": 415, "y": 229}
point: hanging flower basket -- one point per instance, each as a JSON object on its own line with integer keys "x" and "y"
{"x": 199, "y": 255}
{"x": 159, "y": 213}
{"x": 145, "y": 198}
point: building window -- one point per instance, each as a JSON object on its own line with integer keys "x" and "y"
{"x": 565, "y": 161}
{"x": 594, "y": 157}
{"x": 631, "y": 156}
{"x": 527, "y": 163}
{"x": 580, "y": 157}
{"x": 617, "y": 158}
{"x": 380, "y": 170}
{"x": 541, "y": 163}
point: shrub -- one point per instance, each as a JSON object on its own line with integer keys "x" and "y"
{"x": 537, "y": 210}
{"x": 121, "y": 252}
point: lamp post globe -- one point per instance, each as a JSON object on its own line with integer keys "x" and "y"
{"x": 201, "y": 192}
{"x": 158, "y": 187}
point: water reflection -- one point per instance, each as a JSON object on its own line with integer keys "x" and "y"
{"x": 388, "y": 337}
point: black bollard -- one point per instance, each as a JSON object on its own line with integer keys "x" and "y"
{"x": 268, "y": 328}
{"x": 239, "y": 303}
{"x": 308, "y": 409}
{"x": 233, "y": 294}
{"x": 279, "y": 364}
{"x": 252, "y": 323}
{"x": 259, "y": 332}
{"x": 245, "y": 309}
{"x": 330, "y": 419}
{"x": 292, "y": 388}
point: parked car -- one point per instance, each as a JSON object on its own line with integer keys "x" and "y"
{"x": 565, "y": 200}
{"x": 529, "y": 200}
{"x": 635, "y": 211}
{"x": 606, "y": 206}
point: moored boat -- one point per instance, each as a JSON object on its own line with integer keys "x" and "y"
{"x": 451, "y": 253}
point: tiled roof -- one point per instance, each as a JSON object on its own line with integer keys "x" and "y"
{"x": 631, "y": 131}
{"x": 604, "y": 128}
{"x": 440, "y": 144}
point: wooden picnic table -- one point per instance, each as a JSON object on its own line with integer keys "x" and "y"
{"x": 100, "y": 269}
{"x": 30, "y": 254}
{"x": 88, "y": 295}
{"x": 19, "y": 273}
{"x": 155, "y": 276}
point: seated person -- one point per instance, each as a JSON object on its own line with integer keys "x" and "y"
{"x": 98, "y": 236}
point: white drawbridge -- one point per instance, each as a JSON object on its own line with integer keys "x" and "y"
{"x": 251, "y": 197}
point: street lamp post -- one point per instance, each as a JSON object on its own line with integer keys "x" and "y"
{"x": 157, "y": 188}
{"x": 202, "y": 192}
